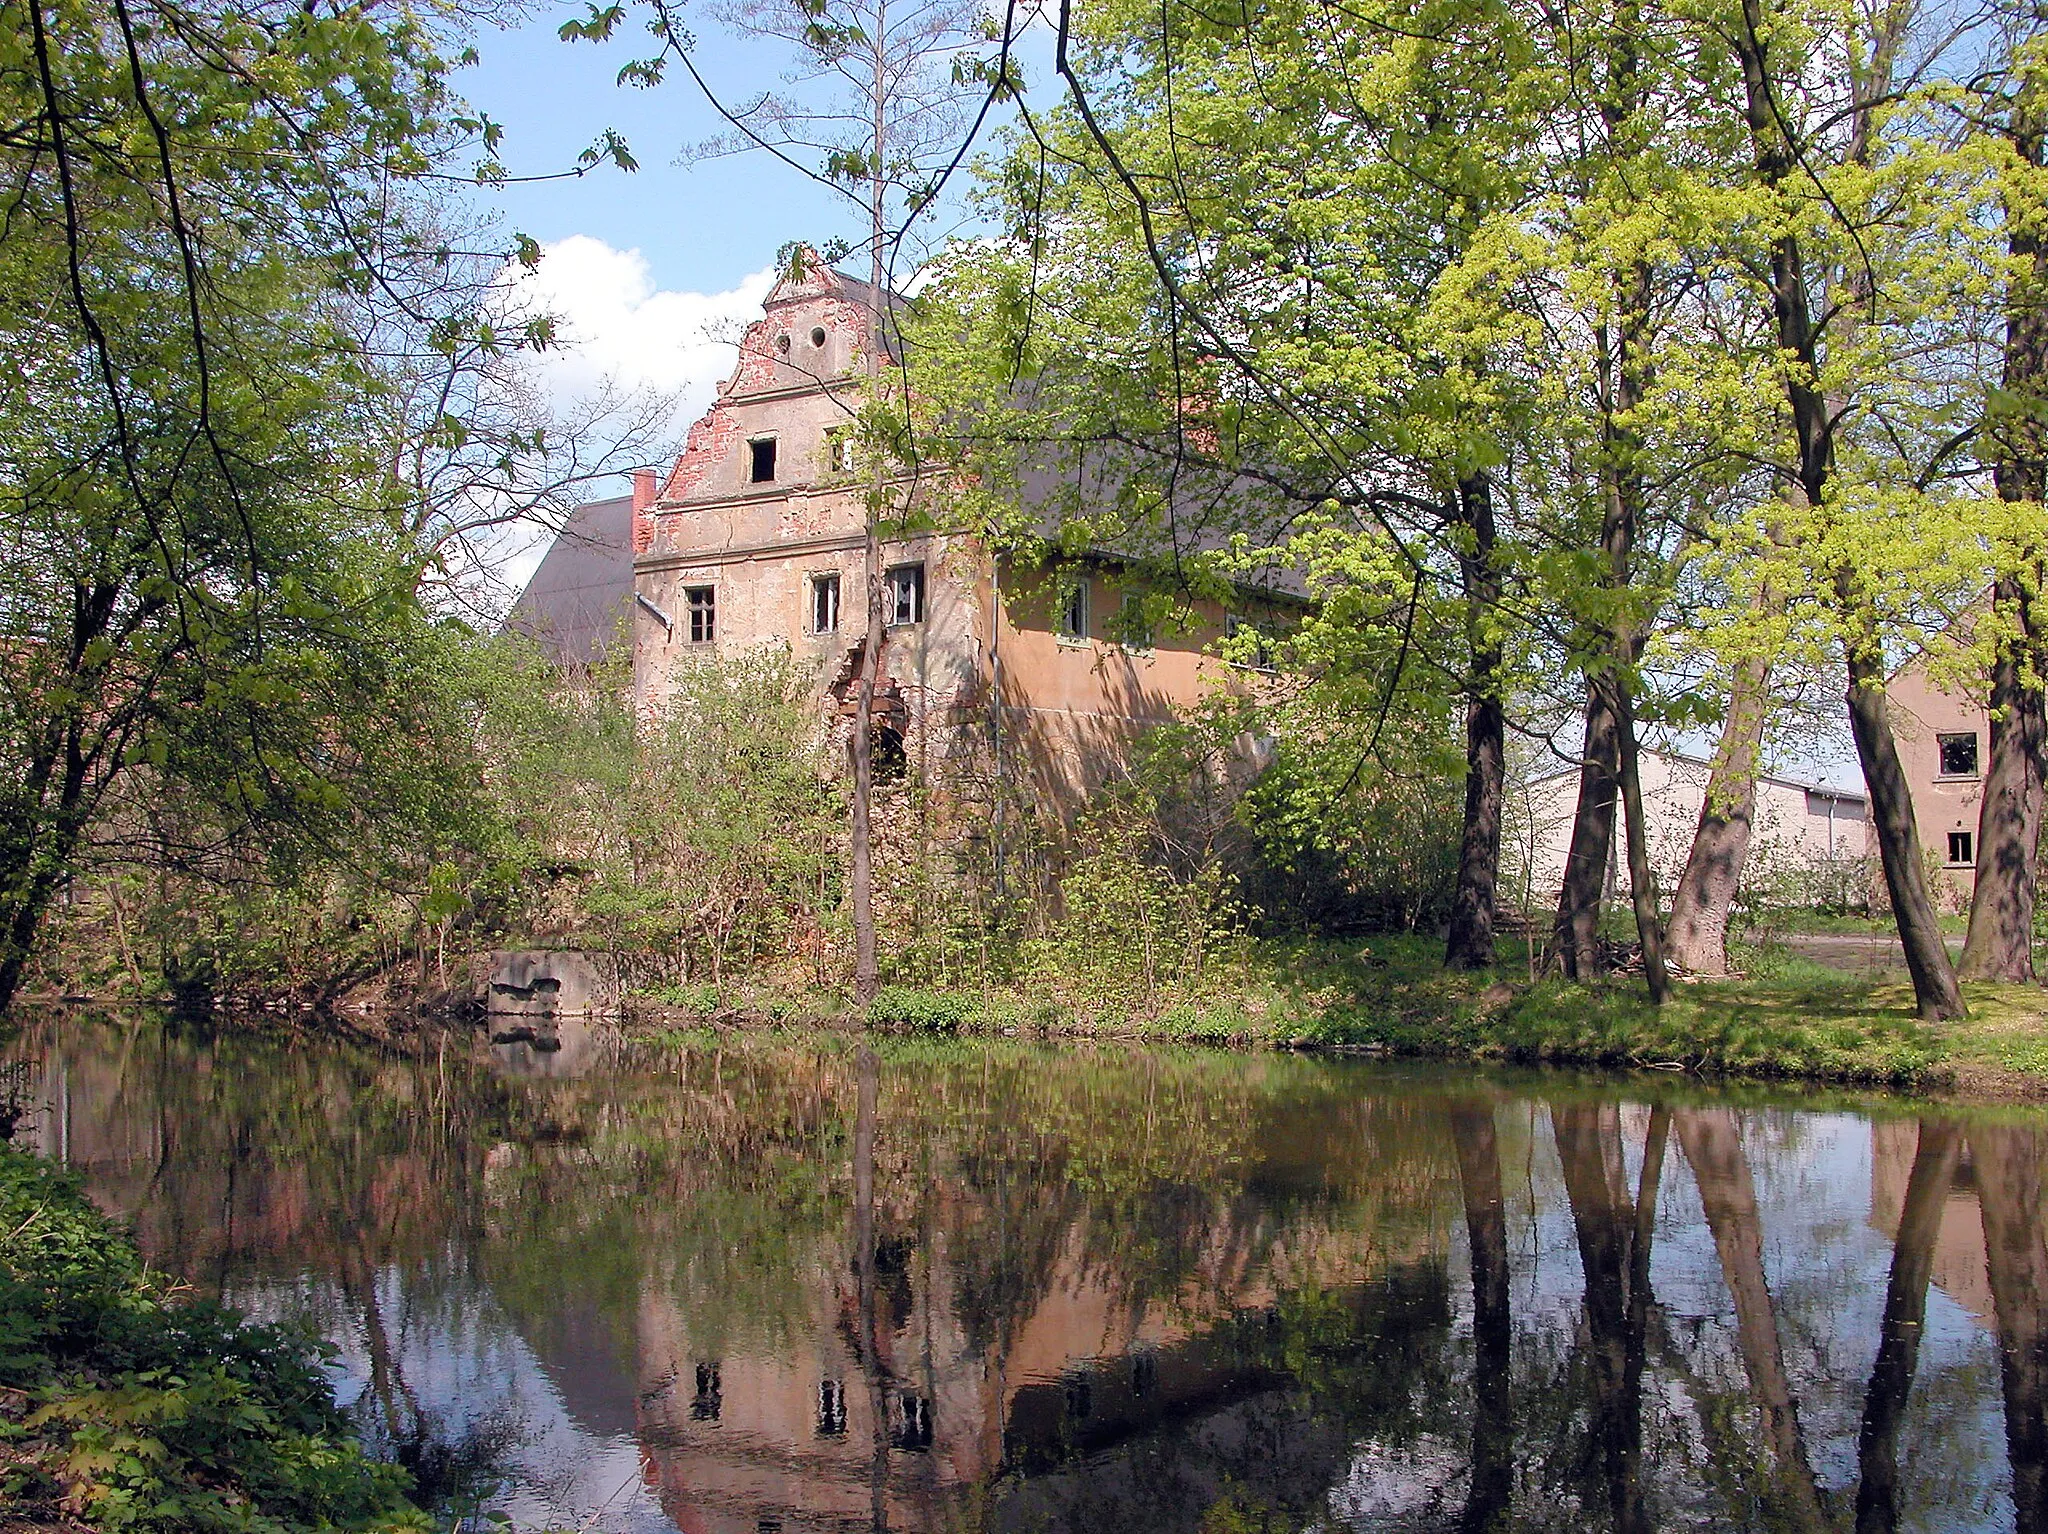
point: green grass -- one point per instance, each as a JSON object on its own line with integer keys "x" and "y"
{"x": 1787, "y": 1018}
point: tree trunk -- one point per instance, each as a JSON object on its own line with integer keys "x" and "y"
{"x": 1706, "y": 891}
{"x": 1642, "y": 878}
{"x": 2008, "y": 1161}
{"x": 1470, "y": 942}
{"x": 1935, "y": 991}
{"x": 1905, "y": 1311}
{"x": 1493, "y": 1421}
{"x": 1575, "y": 936}
{"x": 866, "y": 969}
{"x": 2000, "y": 945}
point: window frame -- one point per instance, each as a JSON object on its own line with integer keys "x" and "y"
{"x": 1262, "y": 662}
{"x": 839, "y": 450}
{"x": 769, "y": 441}
{"x": 1134, "y": 628}
{"x": 913, "y": 568}
{"x": 1942, "y": 740}
{"x": 1966, "y": 841}
{"x": 1070, "y": 623}
{"x": 706, "y": 609}
{"x": 820, "y": 582}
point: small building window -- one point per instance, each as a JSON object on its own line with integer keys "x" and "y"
{"x": 903, "y": 591}
{"x": 1960, "y": 849}
{"x": 817, "y": 335}
{"x": 1074, "y": 611}
{"x": 702, "y": 605}
{"x": 913, "y": 1425}
{"x": 839, "y": 449}
{"x": 824, "y": 604}
{"x": 706, "y": 1405}
{"x": 1959, "y": 756}
{"x": 1251, "y": 646}
{"x": 1133, "y": 624}
{"x": 831, "y": 1409}
{"x": 761, "y": 461}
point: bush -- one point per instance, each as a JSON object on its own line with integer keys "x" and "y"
{"x": 130, "y": 1412}
{"x": 921, "y": 1011}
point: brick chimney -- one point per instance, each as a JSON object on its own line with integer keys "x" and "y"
{"x": 643, "y": 510}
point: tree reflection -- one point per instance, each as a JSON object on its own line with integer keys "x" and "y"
{"x": 1712, "y": 1143}
{"x": 1493, "y": 1427}
{"x": 1905, "y": 1312}
{"x": 2008, "y": 1163}
{"x": 1614, "y": 1252}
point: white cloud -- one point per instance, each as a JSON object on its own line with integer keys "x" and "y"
{"x": 615, "y": 323}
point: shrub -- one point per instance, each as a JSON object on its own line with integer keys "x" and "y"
{"x": 904, "y": 1006}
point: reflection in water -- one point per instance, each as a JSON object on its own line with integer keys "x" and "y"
{"x": 808, "y": 1285}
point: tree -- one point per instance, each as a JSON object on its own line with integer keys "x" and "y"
{"x": 199, "y": 578}
{"x": 878, "y": 112}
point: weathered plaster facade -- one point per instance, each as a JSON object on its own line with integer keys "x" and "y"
{"x": 760, "y": 509}
{"x": 1944, "y": 739}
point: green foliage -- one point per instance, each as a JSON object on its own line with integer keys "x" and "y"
{"x": 921, "y": 1011}
{"x": 122, "y": 1407}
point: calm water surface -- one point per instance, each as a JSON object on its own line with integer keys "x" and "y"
{"x": 763, "y": 1284}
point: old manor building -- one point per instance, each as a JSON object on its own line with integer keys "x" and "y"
{"x": 756, "y": 536}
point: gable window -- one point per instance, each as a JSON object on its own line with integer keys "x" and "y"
{"x": 701, "y": 603}
{"x": 1960, "y": 849}
{"x": 839, "y": 449}
{"x": 1074, "y": 612}
{"x": 824, "y": 604}
{"x": 1958, "y": 756}
{"x": 903, "y": 594}
{"x": 761, "y": 461}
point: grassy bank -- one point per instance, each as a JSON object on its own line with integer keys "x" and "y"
{"x": 1788, "y": 1019}
{"x": 124, "y": 1408}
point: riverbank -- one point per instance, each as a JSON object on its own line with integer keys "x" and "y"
{"x": 1788, "y": 1019}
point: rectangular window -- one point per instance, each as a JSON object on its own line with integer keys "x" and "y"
{"x": 1959, "y": 849}
{"x": 702, "y": 604}
{"x": 1250, "y": 645}
{"x": 761, "y": 461}
{"x": 839, "y": 449}
{"x": 1133, "y": 624}
{"x": 903, "y": 594}
{"x": 1074, "y": 612}
{"x": 1958, "y": 755}
{"x": 824, "y": 604}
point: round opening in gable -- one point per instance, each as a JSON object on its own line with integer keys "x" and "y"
{"x": 818, "y": 336}
{"x": 782, "y": 343}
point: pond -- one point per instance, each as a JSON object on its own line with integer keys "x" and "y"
{"x": 749, "y": 1283}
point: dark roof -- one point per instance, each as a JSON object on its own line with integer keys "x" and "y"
{"x": 578, "y": 598}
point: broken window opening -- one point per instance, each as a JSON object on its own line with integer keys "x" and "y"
{"x": 839, "y": 448}
{"x": 1960, "y": 849}
{"x": 702, "y": 602}
{"x": 1959, "y": 755}
{"x": 824, "y": 604}
{"x": 904, "y": 594}
{"x": 888, "y": 761}
{"x": 1074, "y": 612}
{"x": 761, "y": 461}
